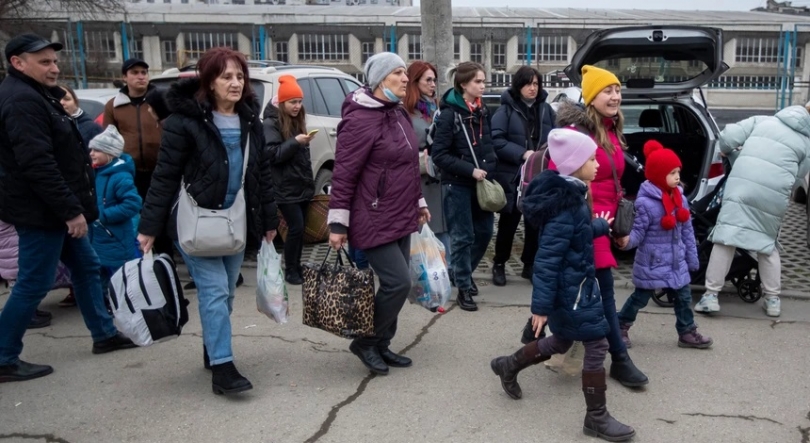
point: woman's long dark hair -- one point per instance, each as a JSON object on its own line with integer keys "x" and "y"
{"x": 291, "y": 126}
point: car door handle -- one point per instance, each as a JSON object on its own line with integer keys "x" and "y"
{"x": 333, "y": 133}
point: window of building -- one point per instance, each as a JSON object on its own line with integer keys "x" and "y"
{"x": 323, "y": 47}
{"x": 101, "y": 44}
{"x": 500, "y": 79}
{"x": 746, "y": 82}
{"x": 282, "y": 52}
{"x": 499, "y": 55}
{"x": 169, "y": 51}
{"x": 477, "y": 52}
{"x": 414, "y": 47}
{"x": 546, "y": 48}
{"x": 757, "y": 50}
{"x": 136, "y": 48}
{"x": 199, "y": 42}
{"x": 367, "y": 49}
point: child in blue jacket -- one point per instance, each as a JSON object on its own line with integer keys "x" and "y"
{"x": 565, "y": 290}
{"x": 112, "y": 235}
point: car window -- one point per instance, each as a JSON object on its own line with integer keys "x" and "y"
{"x": 309, "y": 106}
{"x": 91, "y": 107}
{"x": 350, "y": 85}
{"x": 332, "y": 93}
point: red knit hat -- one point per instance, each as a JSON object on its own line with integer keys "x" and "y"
{"x": 288, "y": 89}
{"x": 660, "y": 162}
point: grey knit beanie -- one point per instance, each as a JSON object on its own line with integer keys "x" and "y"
{"x": 378, "y": 66}
{"x": 109, "y": 142}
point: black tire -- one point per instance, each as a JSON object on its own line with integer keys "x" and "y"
{"x": 663, "y": 299}
{"x": 323, "y": 181}
{"x": 750, "y": 290}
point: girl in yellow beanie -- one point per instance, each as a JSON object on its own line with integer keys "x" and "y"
{"x": 602, "y": 119}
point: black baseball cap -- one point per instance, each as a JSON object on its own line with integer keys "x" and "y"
{"x": 131, "y": 63}
{"x": 29, "y": 43}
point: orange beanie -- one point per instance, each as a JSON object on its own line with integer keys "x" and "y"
{"x": 288, "y": 89}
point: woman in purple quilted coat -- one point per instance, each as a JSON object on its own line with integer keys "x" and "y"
{"x": 666, "y": 253}
{"x": 376, "y": 200}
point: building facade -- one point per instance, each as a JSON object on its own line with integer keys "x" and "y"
{"x": 765, "y": 51}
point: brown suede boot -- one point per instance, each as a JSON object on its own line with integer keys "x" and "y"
{"x": 598, "y": 422}
{"x": 508, "y": 367}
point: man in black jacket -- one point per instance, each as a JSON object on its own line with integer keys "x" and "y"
{"x": 48, "y": 195}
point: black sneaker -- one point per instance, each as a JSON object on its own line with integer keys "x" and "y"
{"x": 114, "y": 343}
{"x": 473, "y": 288}
{"x": 45, "y": 314}
{"x": 294, "y": 278}
{"x": 499, "y": 275}
{"x": 226, "y": 380}
{"x": 22, "y": 371}
{"x": 38, "y": 322}
{"x": 465, "y": 301}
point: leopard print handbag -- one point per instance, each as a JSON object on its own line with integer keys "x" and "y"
{"x": 339, "y": 298}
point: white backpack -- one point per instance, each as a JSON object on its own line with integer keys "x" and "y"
{"x": 147, "y": 300}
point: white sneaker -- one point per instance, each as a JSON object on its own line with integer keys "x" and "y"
{"x": 708, "y": 303}
{"x": 772, "y": 306}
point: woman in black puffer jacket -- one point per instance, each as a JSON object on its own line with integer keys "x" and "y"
{"x": 203, "y": 145}
{"x": 519, "y": 127}
{"x": 285, "y": 133}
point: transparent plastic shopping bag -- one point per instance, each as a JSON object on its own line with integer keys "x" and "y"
{"x": 431, "y": 282}
{"x": 569, "y": 363}
{"x": 271, "y": 291}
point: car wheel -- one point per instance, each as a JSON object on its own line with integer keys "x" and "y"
{"x": 807, "y": 208}
{"x": 323, "y": 181}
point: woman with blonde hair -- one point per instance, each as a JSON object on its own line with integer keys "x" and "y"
{"x": 602, "y": 119}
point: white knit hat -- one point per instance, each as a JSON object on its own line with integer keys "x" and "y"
{"x": 109, "y": 142}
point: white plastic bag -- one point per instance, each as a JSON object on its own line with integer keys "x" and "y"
{"x": 431, "y": 282}
{"x": 271, "y": 292}
{"x": 571, "y": 362}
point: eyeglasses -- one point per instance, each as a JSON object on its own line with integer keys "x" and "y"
{"x": 430, "y": 80}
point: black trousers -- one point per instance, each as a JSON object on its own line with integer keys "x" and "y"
{"x": 507, "y": 227}
{"x": 163, "y": 243}
{"x": 295, "y": 214}
{"x": 390, "y": 262}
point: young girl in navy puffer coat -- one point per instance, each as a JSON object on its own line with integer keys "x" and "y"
{"x": 565, "y": 289}
{"x": 663, "y": 233}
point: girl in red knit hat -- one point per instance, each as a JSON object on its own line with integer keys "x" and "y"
{"x": 667, "y": 252}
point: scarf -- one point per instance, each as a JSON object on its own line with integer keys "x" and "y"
{"x": 673, "y": 202}
{"x": 427, "y": 106}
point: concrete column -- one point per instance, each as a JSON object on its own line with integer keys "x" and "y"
{"x": 292, "y": 49}
{"x": 153, "y": 53}
{"x": 244, "y": 44}
{"x": 488, "y": 56}
{"x": 355, "y": 52}
{"x": 437, "y": 37}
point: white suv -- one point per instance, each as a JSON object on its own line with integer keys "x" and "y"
{"x": 324, "y": 89}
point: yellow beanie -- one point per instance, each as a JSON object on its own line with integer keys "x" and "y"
{"x": 594, "y": 80}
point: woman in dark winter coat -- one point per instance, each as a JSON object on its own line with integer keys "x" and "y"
{"x": 519, "y": 127}
{"x": 463, "y": 116}
{"x": 602, "y": 119}
{"x": 565, "y": 288}
{"x": 87, "y": 127}
{"x": 213, "y": 118}
{"x": 376, "y": 200}
{"x": 421, "y": 104}
{"x": 285, "y": 133}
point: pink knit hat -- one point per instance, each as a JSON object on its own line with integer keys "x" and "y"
{"x": 569, "y": 149}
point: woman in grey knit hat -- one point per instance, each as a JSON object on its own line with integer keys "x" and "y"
{"x": 376, "y": 199}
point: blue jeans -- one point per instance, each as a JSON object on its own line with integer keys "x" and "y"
{"x": 40, "y": 252}
{"x": 215, "y": 278}
{"x": 358, "y": 257}
{"x": 614, "y": 336}
{"x": 684, "y": 317}
{"x": 470, "y": 230}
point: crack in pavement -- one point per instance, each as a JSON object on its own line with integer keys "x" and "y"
{"x": 774, "y": 323}
{"x": 49, "y": 438}
{"x": 333, "y": 412}
{"x": 744, "y": 417}
{"x": 672, "y": 422}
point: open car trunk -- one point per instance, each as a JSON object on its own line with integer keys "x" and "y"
{"x": 676, "y": 125}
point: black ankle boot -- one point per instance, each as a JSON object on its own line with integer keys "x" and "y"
{"x": 598, "y": 422}
{"x": 465, "y": 301}
{"x": 499, "y": 274}
{"x": 227, "y": 380}
{"x": 625, "y": 372}
{"x": 508, "y": 367}
{"x": 206, "y": 361}
{"x": 370, "y": 357}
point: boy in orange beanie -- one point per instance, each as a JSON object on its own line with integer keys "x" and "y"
{"x": 667, "y": 252}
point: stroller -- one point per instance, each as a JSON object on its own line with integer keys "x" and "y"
{"x": 704, "y": 217}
